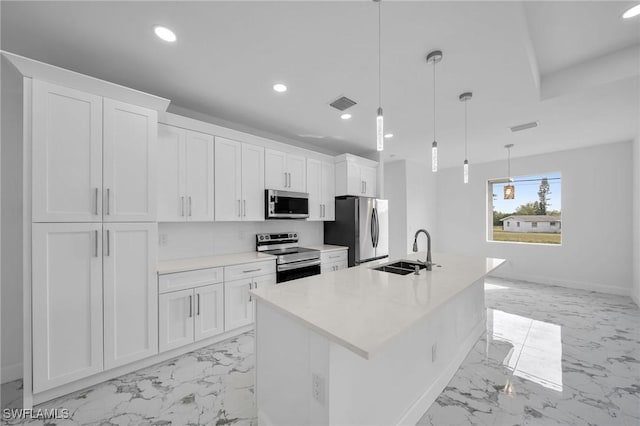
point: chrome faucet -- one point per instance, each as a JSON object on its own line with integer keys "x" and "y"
{"x": 427, "y": 263}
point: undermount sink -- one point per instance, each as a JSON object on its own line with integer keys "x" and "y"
{"x": 400, "y": 267}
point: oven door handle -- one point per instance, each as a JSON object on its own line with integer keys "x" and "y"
{"x": 297, "y": 265}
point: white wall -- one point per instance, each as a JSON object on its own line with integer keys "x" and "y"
{"x": 410, "y": 189}
{"x": 11, "y": 223}
{"x": 596, "y": 250}
{"x": 636, "y": 220}
{"x": 395, "y": 190}
{"x": 205, "y": 239}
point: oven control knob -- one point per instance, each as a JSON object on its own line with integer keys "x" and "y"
{"x": 290, "y": 235}
{"x": 266, "y": 237}
{"x": 295, "y": 235}
{"x": 261, "y": 237}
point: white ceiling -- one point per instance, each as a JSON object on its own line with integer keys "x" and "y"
{"x": 229, "y": 54}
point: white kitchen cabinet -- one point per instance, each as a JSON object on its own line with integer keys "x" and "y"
{"x": 66, "y": 303}
{"x": 239, "y": 279}
{"x": 239, "y": 181}
{"x": 355, "y": 176}
{"x": 185, "y": 175}
{"x": 252, "y": 183}
{"x": 94, "y": 158}
{"x": 209, "y": 311}
{"x": 130, "y": 292}
{"x": 238, "y": 306}
{"x": 286, "y": 172}
{"x": 321, "y": 189}
{"x": 171, "y": 174}
{"x": 129, "y": 162}
{"x": 175, "y": 315}
{"x": 191, "y": 307}
{"x": 67, "y": 154}
{"x": 333, "y": 260}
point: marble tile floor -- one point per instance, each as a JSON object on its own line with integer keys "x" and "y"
{"x": 550, "y": 356}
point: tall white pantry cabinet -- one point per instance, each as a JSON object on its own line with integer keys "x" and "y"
{"x": 94, "y": 234}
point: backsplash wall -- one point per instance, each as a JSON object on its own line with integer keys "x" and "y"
{"x": 181, "y": 240}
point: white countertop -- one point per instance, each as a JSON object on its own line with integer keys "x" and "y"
{"x": 193, "y": 263}
{"x": 325, "y": 248}
{"x": 362, "y": 309}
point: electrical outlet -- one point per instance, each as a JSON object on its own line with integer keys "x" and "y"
{"x": 317, "y": 387}
{"x": 163, "y": 240}
{"x": 434, "y": 352}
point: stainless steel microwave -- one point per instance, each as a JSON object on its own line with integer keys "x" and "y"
{"x": 285, "y": 204}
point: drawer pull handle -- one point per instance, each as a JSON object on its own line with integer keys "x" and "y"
{"x": 250, "y": 270}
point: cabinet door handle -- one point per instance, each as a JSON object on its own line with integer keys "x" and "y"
{"x": 285, "y": 179}
{"x": 182, "y": 206}
{"x": 108, "y": 244}
{"x": 244, "y": 207}
{"x": 239, "y": 209}
{"x": 108, "y": 207}
{"x": 189, "y": 205}
{"x": 190, "y": 306}
{"x": 95, "y": 206}
{"x": 95, "y": 249}
{"x": 198, "y": 304}
{"x": 250, "y": 288}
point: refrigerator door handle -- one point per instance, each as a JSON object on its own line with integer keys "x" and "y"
{"x": 377, "y": 228}
{"x": 373, "y": 228}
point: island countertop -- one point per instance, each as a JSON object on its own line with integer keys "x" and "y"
{"x": 363, "y": 309}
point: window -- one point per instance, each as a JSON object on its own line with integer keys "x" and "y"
{"x": 535, "y": 208}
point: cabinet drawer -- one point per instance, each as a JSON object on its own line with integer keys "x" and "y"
{"x": 333, "y": 256}
{"x": 190, "y": 279}
{"x": 254, "y": 269}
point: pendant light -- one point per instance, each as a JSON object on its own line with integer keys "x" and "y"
{"x": 379, "y": 116}
{"x": 509, "y": 190}
{"x": 435, "y": 57}
{"x": 465, "y": 166}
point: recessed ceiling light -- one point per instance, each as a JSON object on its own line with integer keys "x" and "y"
{"x": 345, "y": 116}
{"x": 165, "y": 34}
{"x": 632, "y": 12}
{"x": 279, "y": 87}
{"x": 388, "y": 135}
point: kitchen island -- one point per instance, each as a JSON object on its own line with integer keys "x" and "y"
{"x": 366, "y": 347}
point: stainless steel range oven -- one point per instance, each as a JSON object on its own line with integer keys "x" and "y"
{"x": 292, "y": 261}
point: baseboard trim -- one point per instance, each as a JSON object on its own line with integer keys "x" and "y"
{"x": 579, "y": 285}
{"x": 420, "y": 407}
{"x": 11, "y": 372}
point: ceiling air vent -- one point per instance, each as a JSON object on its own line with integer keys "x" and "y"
{"x": 342, "y": 103}
{"x": 524, "y": 126}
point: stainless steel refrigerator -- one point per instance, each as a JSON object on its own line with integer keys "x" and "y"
{"x": 362, "y": 224}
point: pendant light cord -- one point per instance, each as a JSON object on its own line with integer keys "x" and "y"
{"x": 434, "y": 100}
{"x": 509, "y": 162}
{"x": 379, "y": 54}
{"x": 465, "y": 129}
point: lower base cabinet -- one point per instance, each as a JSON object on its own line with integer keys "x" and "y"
{"x": 239, "y": 305}
{"x": 333, "y": 261}
{"x": 187, "y": 316}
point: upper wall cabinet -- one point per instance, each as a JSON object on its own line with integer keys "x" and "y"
{"x": 284, "y": 171}
{"x": 130, "y": 137}
{"x": 356, "y": 176}
{"x": 185, "y": 175}
{"x": 94, "y": 159}
{"x": 239, "y": 181}
{"x": 321, "y": 189}
{"x": 67, "y": 154}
